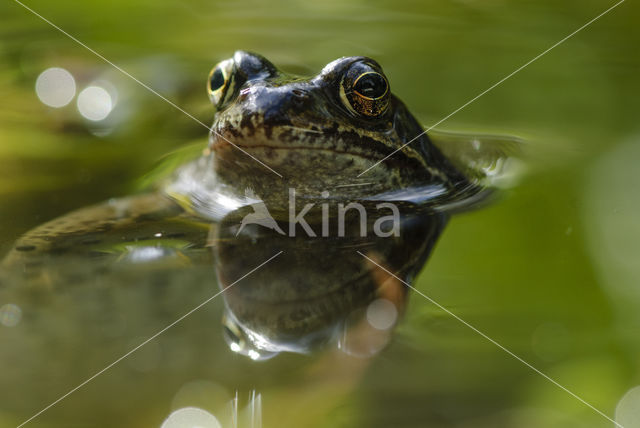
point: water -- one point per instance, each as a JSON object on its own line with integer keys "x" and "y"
{"x": 548, "y": 270}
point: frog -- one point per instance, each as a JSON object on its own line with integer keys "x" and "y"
{"x": 334, "y": 138}
{"x": 273, "y": 132}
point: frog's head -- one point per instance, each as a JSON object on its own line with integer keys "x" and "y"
{"x": 321, "y": 132}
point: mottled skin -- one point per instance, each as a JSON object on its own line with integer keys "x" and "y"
{"x": 308, "y": 132}
{"x": 283, "y": 120}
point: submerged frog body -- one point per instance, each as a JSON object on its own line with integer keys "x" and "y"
{"x": 338, "y": 137}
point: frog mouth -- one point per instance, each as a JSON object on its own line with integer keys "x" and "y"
{"x": 281, "y": 143}
{"x": 326, "y": 166}
{"x": 281, "y": 137}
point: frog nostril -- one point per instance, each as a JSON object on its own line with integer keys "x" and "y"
{"x": 299, "y": 98}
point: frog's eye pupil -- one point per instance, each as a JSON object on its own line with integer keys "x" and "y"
{"x": 365, "y": 91}
{"x": 371, "y": 85}
{"x": 217, "y": 80}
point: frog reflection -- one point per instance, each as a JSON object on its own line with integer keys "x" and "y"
{"x": 320, "y": 292}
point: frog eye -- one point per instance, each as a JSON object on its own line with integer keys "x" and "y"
{"x": 221, "y": 82}
{"x": 371, "y": 85}
{"x": 365, "y": 91}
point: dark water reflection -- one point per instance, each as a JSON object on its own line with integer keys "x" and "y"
{"x": 320, "y": 290}
{"x": 86, "y": 299}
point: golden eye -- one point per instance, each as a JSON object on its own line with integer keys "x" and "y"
{"x": 365, "y": 91}
{"x": 220, "y": 83}
{"x": 371, "y": 85}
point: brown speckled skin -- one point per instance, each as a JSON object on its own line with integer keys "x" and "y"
{"x": 303, "y": 130}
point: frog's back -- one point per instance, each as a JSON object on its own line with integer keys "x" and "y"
{"x": 100, "y": 228}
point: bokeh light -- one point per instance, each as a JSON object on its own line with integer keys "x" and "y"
{"x": 191, "y": 417}
{"x": 611, "y": 215}
{"x": 10, "y": 315}
{"x": 95, "y": 103}
{"x": 628, "y": 409}
{"x": 55, "y": 87}
{"x": 382, "y": 314}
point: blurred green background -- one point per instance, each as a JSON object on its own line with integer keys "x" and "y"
{"x": 550, "y": 271}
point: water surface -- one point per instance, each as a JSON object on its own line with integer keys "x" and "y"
{"x": 549, "y": 270}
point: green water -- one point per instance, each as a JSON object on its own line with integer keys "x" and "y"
{"x": 549, "y": 271}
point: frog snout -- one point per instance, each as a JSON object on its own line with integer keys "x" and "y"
{"x": 276, "y": 105}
